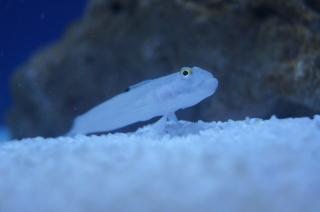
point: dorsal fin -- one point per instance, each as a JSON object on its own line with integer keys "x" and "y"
{"x": 137, "y": 85}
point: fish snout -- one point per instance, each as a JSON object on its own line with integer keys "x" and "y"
{"x": 212, "y": 84}
{"x": 207, "y": 81}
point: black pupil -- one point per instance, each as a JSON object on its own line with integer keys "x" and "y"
{"x": 185, "y": 73}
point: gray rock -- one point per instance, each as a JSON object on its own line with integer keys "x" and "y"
{"x": 263, "y": 52}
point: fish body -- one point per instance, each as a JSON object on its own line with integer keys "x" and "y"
{"x": 157, "y": 97}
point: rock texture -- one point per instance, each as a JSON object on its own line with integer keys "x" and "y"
{"x": 263, "y": 52}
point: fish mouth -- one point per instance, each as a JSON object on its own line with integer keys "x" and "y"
{"x": 211, "y": 85}
{"x": 216, "y": 83}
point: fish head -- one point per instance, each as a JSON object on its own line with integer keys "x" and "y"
{"x": 188, "y": 87}
{"x": 200, "y": 81}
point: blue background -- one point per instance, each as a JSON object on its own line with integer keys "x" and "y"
{"x": 26, "y": 26}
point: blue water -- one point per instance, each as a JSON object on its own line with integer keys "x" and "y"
{"x": 25, "y": 26}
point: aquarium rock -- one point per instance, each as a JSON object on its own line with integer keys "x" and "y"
{"x": 263, "y": 52}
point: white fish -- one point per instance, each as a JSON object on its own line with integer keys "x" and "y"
{"x": 151, "y": 98}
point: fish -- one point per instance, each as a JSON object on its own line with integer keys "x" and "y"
{"x": 160, "y": 97}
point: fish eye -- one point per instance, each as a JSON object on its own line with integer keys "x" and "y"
{"x": 186, "y": 72}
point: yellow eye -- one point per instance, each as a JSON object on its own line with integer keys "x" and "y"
{"x": 186, "y": 72}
